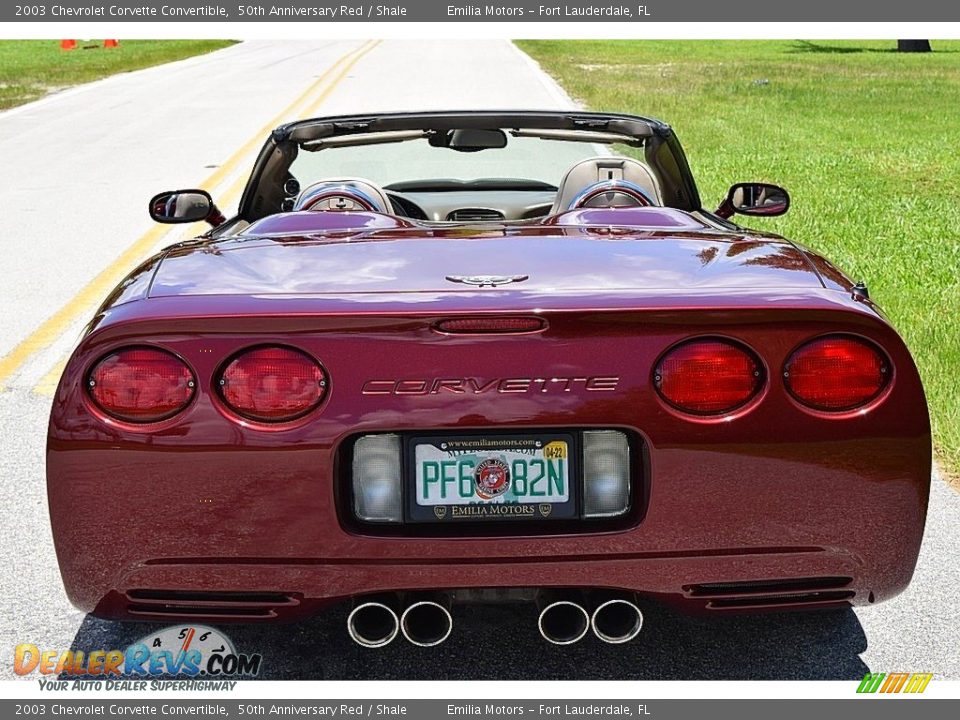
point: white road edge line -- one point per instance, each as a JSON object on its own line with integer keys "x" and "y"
{"x": 59, "y": 95}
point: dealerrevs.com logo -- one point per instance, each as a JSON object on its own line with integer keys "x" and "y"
{"x": 178, "y": 651}
{"x": 894, "y": 682}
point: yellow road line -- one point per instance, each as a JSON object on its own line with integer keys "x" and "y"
{"x": 99, "y": 286}
{"x": 290, "y": 112}
{"x": 96, "y": 289}
{"x": 226, "y": 198}
{"x": 48, "y": 383}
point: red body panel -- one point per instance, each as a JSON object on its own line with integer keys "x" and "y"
{"x": 204, "y": 502}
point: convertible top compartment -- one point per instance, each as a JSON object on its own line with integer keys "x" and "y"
{"x": 307, "y": 221}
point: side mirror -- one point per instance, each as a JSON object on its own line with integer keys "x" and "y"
{"x": 185, "y": 206}
{"x": 759, "y": 199}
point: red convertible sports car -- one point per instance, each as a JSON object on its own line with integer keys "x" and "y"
{"x": 455, "y": 357}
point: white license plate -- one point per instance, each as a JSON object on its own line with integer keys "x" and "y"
{"x": 492, "y": 470}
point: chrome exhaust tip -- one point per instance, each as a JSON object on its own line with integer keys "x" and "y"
{"x": 426, "y": 623}
{"x": 373, "y": 624}
{"x": 617, "y": 621}
{"x": 563, "y": 622}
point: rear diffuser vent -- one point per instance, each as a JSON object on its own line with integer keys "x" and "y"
{"x": 475, "y": 215}
{"x": 826, "y": 597}
{"x": 755, "y": 587}
{"x": 773, "y": 593}
{"x": 220, "y": 605}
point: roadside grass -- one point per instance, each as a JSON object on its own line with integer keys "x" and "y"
{"x": 30, "y": 69}
{"x": 866, "y": 140}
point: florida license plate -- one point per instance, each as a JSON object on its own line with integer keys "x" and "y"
{"x": 515, "y": 477}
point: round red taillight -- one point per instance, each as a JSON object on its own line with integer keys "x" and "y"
{"x": 273, "y": 384}
{"x": 141, "y": 384}
{"x": 836, "y": 373}
{"x": 708, "y": 377}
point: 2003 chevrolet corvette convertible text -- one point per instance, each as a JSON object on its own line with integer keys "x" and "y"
{"x": 505, "y": 364}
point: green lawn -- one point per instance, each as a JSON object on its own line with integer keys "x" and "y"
{"x": 866, "y": 140}
{"x": 29, "y": 69}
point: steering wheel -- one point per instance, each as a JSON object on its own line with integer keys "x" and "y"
{"x": 612, "y": 194}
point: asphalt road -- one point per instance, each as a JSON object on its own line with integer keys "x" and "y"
{"x": 77, "y": 171}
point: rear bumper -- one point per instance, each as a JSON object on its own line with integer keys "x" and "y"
{"x": 846, "y": 519}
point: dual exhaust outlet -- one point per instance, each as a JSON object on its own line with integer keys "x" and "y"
{"x": 425, "y": 622}
{"x": 563, "y": 618}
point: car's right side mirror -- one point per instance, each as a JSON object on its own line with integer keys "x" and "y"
{"x": 759, "y": 199}
{"x": 184, "y": 206}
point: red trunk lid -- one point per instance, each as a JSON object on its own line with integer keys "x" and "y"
{"x": 553, "y": 259}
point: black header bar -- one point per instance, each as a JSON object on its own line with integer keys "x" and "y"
{"x": 579, "y": 11}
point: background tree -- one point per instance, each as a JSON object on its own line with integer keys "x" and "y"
{"x": 913, "y": 46}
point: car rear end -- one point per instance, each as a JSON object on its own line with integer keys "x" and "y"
{"x": 255, "y": 458}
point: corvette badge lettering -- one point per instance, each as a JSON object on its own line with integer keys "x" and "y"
{"x": 481, "y": 386}
{"x": 487, "y": 280}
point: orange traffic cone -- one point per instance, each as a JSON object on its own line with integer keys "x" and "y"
{"x": 111, "y": 43}
{"x": 68, "y": 44}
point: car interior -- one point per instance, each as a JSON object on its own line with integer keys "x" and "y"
{"x": 605, "y": 181}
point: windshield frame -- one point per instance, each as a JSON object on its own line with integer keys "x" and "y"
{"x": 263, "y": 194}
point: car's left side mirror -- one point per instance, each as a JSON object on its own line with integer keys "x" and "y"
{"x": 760, "y": 199}
{"x": 185, "y": 206}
